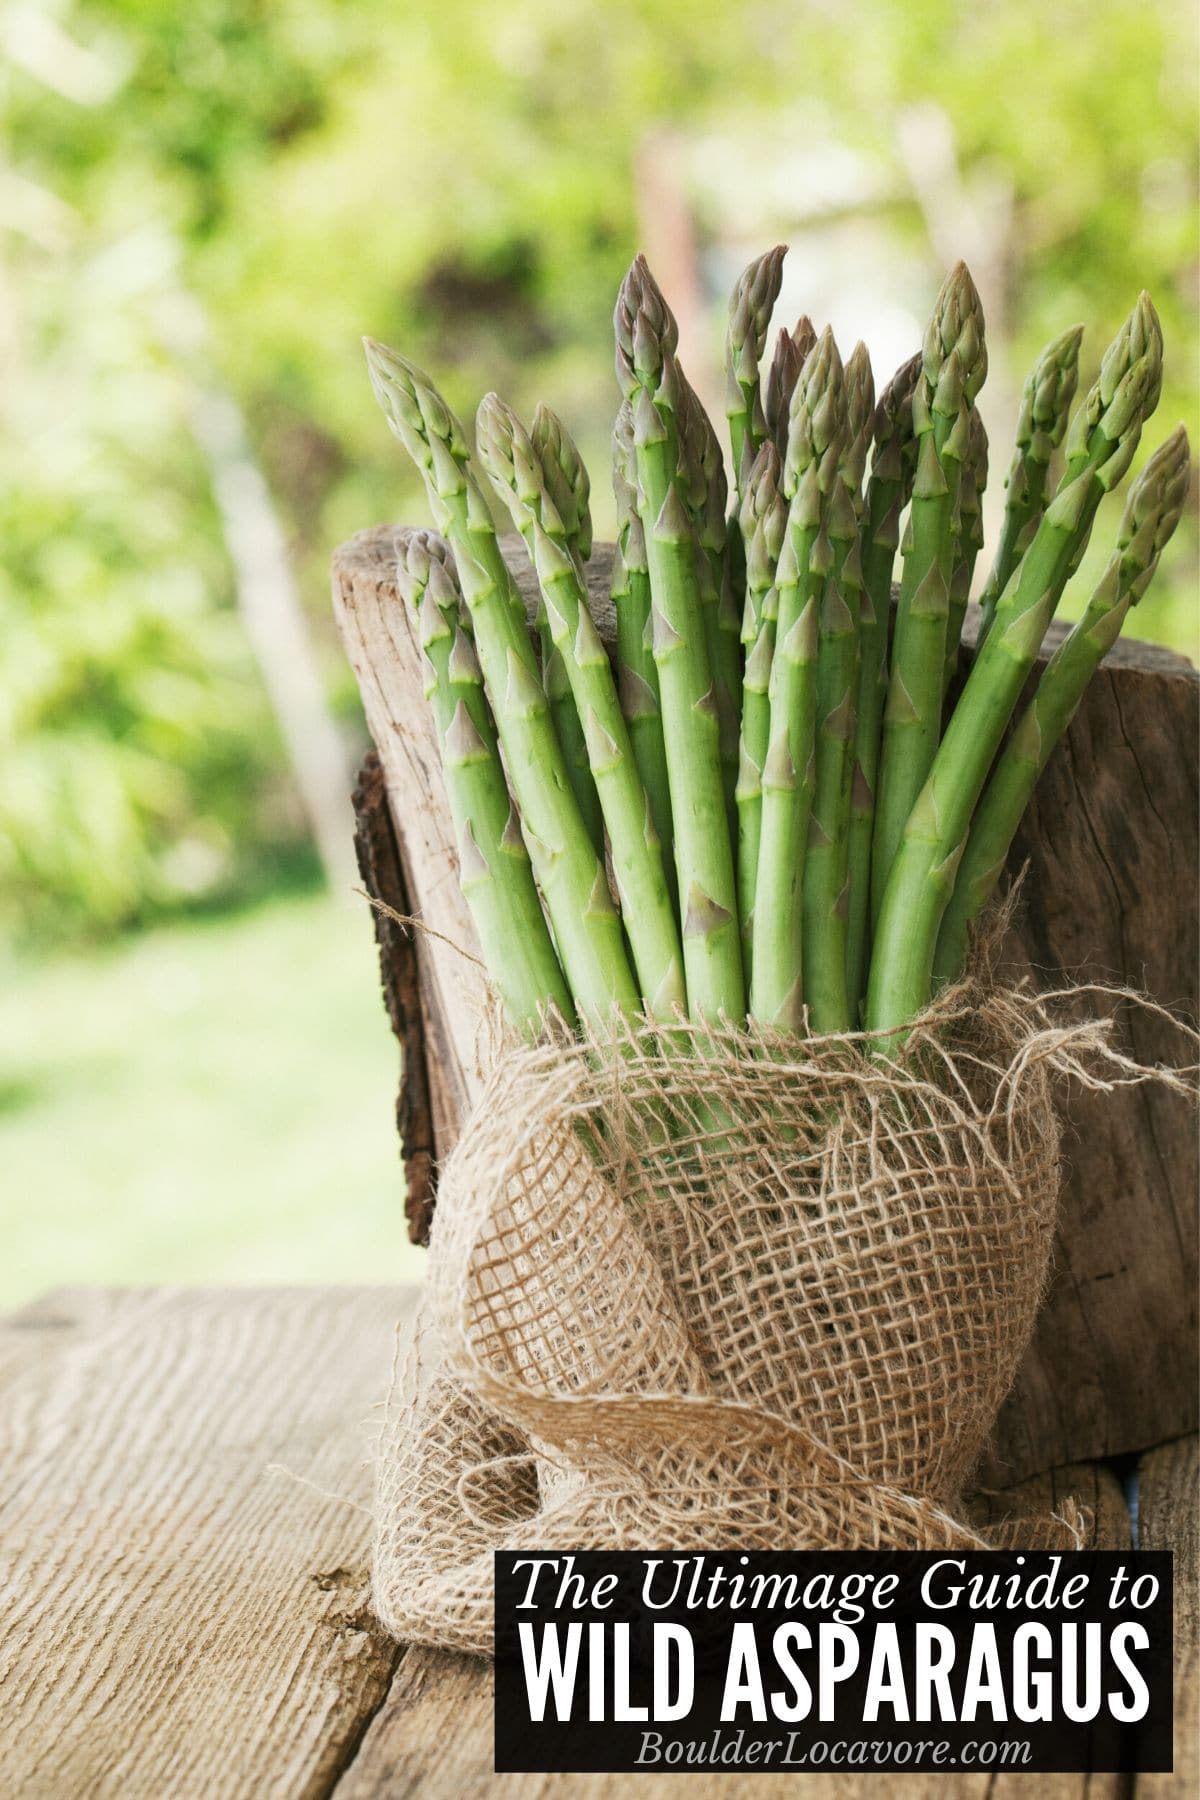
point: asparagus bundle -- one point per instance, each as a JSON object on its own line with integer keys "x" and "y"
{"x": 835, "y": 882}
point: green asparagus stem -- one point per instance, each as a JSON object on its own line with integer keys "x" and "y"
{"x": 705, "y": 493}
{"x": 523, "y": 482}
{"x": 1152, "y": 512}
{"x": 493, "y": 864}
{"x": 968, "y": 538}
{"x": 586, "y": 928}
{"x": 791, "y": 350}
{"x": 1101, "y": 443}
{"x": 646, "y": 337}
{"x": 750, "y": 307}
{"x": 954, "y": 363}
{"x": 569, "y": 731}
{"x": 815, "y": 440}
{"x": 1045, "y": 407}
{"x": 570, "y": 488}
{"x": 892, "y": 468}
{"x": 826, "y": 899}
{"x": 763, "y": 522}
{"x": 637, "y": 676}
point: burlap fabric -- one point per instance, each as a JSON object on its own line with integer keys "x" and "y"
{"x": 744, "y": 1293}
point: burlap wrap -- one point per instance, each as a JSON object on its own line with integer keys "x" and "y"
{"x": 764, "y": 1294}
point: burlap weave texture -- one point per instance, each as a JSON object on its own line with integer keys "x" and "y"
{"x": 739, "y": 1292}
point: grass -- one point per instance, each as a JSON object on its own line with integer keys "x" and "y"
{"x": 209, "y": 1102}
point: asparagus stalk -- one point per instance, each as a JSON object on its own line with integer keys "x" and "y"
{"x": 646, "y": 338}
{"x": 1045, "y": 407}
{"x": 705, "y": 493}
{"x": 954, "y": 363}
{"x": 523, "y": 481}
{"x": 791, "y": 349}
{"x": 815, "y": 444}
{"x": 569, "y": 731}
{"x": 826, "y": 899}
{"x": 1152, "y": 512}
{"x": 1101, "y": 444}
{"x": 571, "y": 488}
{"x": 892, "y": 469}
{"x": 493, "y": 864}
{"x": 637, "y": 677}
{"x": 569, "y": 872}
{"x": 750, "y": 307}
{"x": 762, "y": 523}
{"x": 968, "y": 541}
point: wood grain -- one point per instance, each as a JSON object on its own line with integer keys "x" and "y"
{"x": 180, "y": 1617}
{"x": 433, "y": 1734}
{"x": 179, "y": 1614}
{"x": 1111, "y": 894}
{"x": 1089, "y": 1485}
{"x": 1168, "y": 1489}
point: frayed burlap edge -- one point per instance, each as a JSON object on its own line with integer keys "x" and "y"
{"x": 731, "y": 1291}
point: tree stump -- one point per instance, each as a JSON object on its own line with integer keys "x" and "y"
{"x": 1109, "y": 850}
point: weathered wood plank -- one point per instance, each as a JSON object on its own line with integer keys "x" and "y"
{"x": 176, "y": 1617}
{"x": 178, "y": 1614}
{"x": 32, "y": 1340}
{"x": 1168, "y": 1492}
{"x": 1090, "y": 1485}
{"x": 433, "y": 1733}
{"x": 1111, "y": 895}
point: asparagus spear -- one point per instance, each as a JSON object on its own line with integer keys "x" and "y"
{"x": 705, "y": 493}
{"x": 570, "y": 487}
{"x": 493, "y": 864}
{"x": 954, "y": 363}
{"x": 1129, "y": 383}
{"x": 763, "y": 522}
{"x": 826, "y": 899}
{"x": 750, "y": 307}
{"x": 892, "y": 468}
{"x": 637, "y": 676}
{"x": 1152, "y": 512}
{"x": 569, "y": 872}
{"x": 647, "y": 337}
{"x": 791, "y": 349}
{"x": 968, "y": 538}
{"x": 1045, "y": 407}
{"x": 815, "y": 441}
{"x": 567, "y": 480}
{"x": 523, "y": 481}
{"x": 1101, "y": 444}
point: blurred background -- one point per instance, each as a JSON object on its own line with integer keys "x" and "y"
{"x": 202, "y": 209}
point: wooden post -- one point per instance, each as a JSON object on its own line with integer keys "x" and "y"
{"x": 1110, "y": 896}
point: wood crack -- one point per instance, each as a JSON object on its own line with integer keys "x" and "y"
{"x": 354, "y": 1741}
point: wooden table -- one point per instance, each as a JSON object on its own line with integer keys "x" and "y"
{"x": 184, "y": 1538}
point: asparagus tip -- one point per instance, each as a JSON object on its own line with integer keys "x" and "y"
{"x": 645, "y": 327}
{"x": 1155, "y": 506}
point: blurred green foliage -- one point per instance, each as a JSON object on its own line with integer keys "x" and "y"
{"x": 456, "y": 179}
{"x": 177, "y": 1107}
